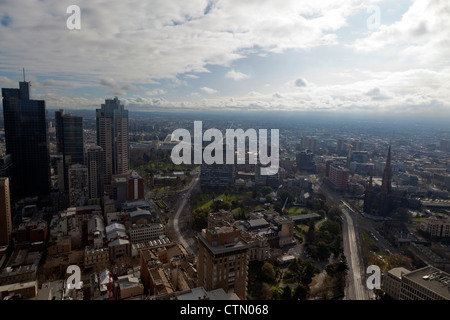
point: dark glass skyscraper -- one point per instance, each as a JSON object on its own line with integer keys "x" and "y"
{"x": 26, "y": 141}
{"x": 72, "y": 143}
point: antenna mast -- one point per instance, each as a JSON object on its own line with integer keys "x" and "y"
{"x": 23, "y": 74}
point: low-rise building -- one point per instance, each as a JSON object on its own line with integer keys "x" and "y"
{"x": 392, "y": 282}
{"x": 93, "y": 256}
{"x": 428, "y": 283}
{"x": 129, "y": 286}
{"x": 141, "y": 233}
{"x": 436, "y": 227}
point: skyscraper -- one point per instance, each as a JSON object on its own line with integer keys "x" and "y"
{"x": 5, "y": 212}
{"x": 72, "y": 143}
{"x": 26, "y": 141}
{"x": 59, "y": 130}
{"x": 112, "y": 136}
{"x": 94, "y": 162}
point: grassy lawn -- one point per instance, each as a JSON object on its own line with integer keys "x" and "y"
{"x": 293, "y": 211}
{"x": 368, "y": 239}
{"x": 419, "y": 219}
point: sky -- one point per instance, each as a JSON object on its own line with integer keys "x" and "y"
{"x": 359, "y": 56}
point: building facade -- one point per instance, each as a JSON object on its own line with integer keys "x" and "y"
{"x": 222, "y": 260}
{"x": 338, "y": 177}
{"x": 112, "y": 136}
{"x": 5, "y": 212}
{"x": 78, "y": 185}
{"x": 95, "y": 158}
{"x": 72, "y": 143}
{"x": 26, "y": 141}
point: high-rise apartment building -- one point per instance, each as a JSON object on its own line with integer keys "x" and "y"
{"x": 26, "y": 141}
{"x": 338, "y": 176}
{"x": 94, "y": 162}
{"x": 5, "y": 212}
{"x": 112, "y": 136}
{"x": 222, "y": 260}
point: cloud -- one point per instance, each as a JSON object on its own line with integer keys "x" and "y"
{"x": 301, "y": 82}
{"x": 157, "y": 39}
{"x": 115, "y": 88}
{"x": 156, "y": 92}
{"x": 376, "y": 94}
{"x": 59, "y": 84}
{"x": 420, "y": 36}
{"x": 6, "y": 82}
{"x": 208, "y": 90}
{"x": 236, "y": 75}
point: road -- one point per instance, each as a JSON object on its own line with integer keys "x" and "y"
{"x": 356, "y": 289}
{"x": 176, "y": 221}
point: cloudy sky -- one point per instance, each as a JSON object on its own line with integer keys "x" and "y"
{"x": 348, "y": 55}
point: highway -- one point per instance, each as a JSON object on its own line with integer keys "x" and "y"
{"x": 356, "y": 289}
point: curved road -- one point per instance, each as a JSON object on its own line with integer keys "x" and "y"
{"x": 175, "y": 222}
{"x": 356, "y": 289}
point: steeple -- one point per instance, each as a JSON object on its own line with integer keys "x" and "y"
{"x": 370, "y": 186}
{"x": 387, "y": 175}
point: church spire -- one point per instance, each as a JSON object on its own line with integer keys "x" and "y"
{"x": 387, "y": 174}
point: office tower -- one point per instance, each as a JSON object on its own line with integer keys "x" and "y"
{"x": 26, "y": 142}
{"x": 71, "y": 129}
{"x": 341, "y": 145}
{"x": 305, "y": 161}
{"x": 78, "y": 185}
{"x": 94, "y": 162}
{"x": 5, "y": 212}
{"x": 112, "y": 136}
{"x": 309, "y": 143}
{"x": 222, "y": 260}
{"x": 217, "y": 176}
{"x": 59, "y": 130}
{"x": 356, "y": 145}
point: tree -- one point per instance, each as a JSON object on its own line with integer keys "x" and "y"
{"x": 287, "y": 293}
{"x": 301, "y": 292}
{"x": 310, "y": 234}
{"x": 265, "y": 190}
{"x": 268, "y": 272}
{"x": 334, "y": 212}
{"x": 323, "y": 251}
{"x": 307, "y": 272}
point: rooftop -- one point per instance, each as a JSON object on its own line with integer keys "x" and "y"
{"x": 434, "y": 279}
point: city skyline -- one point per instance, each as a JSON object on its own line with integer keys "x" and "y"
{"x": 360, "y": 57}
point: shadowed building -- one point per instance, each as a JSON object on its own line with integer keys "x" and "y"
{"x": 222, "y": 260}
{"x": 26, "y": 141}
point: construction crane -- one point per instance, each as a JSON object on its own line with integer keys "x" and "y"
{"x": 110, "y": 287}
{"x": 284, "y": 206}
